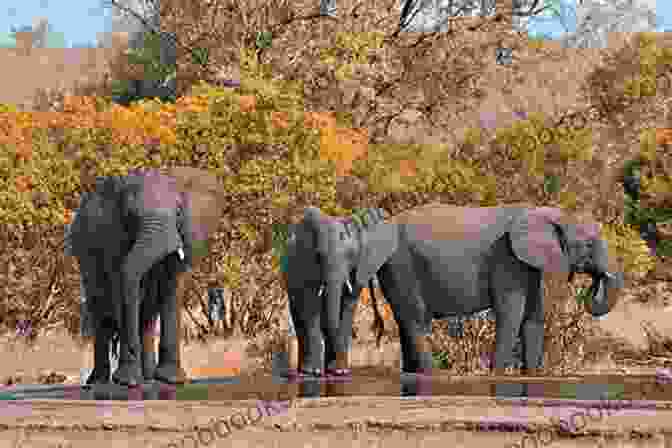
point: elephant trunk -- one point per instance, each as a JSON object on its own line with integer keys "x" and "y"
{"x": 606, "y": 287}
{"x": 331, "y": 296}
{"x": 157, "y": 237}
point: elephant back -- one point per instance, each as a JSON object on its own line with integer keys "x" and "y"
{"x": 441, "y": 222}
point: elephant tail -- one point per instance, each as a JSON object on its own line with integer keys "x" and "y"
{"x": 378, "y": 325}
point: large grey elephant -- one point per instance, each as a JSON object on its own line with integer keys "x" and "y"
{"x": 121, "y": 230}
{"x": 322, "y": 259}
{"x": 439, "y": 260}
{"x": 172, "y": 211}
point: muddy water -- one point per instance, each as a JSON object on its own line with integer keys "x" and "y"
{"x": 373, "y": 382}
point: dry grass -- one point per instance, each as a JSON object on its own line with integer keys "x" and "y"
{"x": 46, "y": 69}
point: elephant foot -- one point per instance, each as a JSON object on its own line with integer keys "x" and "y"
{"x": 99, "y": 376}
{"x": 128, "y": 374}
{"x": 170, "y": 373}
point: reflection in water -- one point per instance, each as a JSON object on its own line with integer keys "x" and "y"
{"x": 365, "y": 382}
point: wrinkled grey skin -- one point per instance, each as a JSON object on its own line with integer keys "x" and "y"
{"x": 157, "y": 285}
{"x": 148, "y": 204}
{"x": 323, "y": 255}
{"x": 438, "y": 261}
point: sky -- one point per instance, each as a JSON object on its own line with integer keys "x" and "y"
{"x": 81, "y": 20}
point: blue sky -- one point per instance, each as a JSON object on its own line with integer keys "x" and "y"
{"x": 555, "y": 29}
{"x": 80, "y": 20}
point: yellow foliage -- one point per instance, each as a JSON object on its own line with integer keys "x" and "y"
{"x": 528, "y": 141}
{"x": 647, "y": 144}
{"x": 626, "y": 244}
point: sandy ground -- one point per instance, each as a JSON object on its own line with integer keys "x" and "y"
{"x": 365, "y": 421}
{"x": 424, "y": 422}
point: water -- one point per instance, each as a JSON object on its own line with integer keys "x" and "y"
{"x": 370, "y": 382}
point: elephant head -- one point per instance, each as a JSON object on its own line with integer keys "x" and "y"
{"x": 552, "y": 241}
{"x": 326, "y": 256}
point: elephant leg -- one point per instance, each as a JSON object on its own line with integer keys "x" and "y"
{"x": 312, "y": 348}
{"x": 416, "y": 350}
{"x": 348, "y": 304}
{"x": 306, "y": 316}
{"x": 402, "y": 293}
{"x": 152, "y": 283}
{"x": 168, "y": 369}
{"x": 532, "y": 340}
{"x": 101, "y": 353}
{"x": 510, "y": 279}
{"x": 129, "y": 372}
{"x": 94, "y": 285}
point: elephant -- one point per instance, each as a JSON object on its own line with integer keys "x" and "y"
{"x": 438, "y": 261}
{"x": 322, "y": 254}
{"x": 163, "y": 212}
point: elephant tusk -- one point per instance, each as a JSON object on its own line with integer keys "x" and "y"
{"x": 349, "y": 285}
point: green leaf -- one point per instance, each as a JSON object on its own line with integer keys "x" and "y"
{"x": 200, "y": 56}
{"x": 551, "y": 184}
{"x": 582, "y": 295}
{"x": 264, "y": 39}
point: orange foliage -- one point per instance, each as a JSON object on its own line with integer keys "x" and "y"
{"x": 408, "y": 168}
{"x": 343, "y": 146}
{"x": 365, "y": 296}
{"x": 319, "y": 120}
{"x": 24, "y": 150}
{"x": 365, "y": 299}
{"x": 280, "y": 119}
{"x": 67, "y": 216}
{"x": 387, "y": 312}
{"x": 248, "y": 103}
{"x": 23, "y": 183}
{"x": 664, "y": 136}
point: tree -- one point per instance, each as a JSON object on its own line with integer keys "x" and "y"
{"x": 7, "y": 40}
{"x": 433, "y": 15}
{"x": 595, "y": 19}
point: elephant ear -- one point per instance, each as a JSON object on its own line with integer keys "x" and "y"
{"x": 536, "y": 239}
{"x": 203, "y": 191}
{"x": 379, "y": 242}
